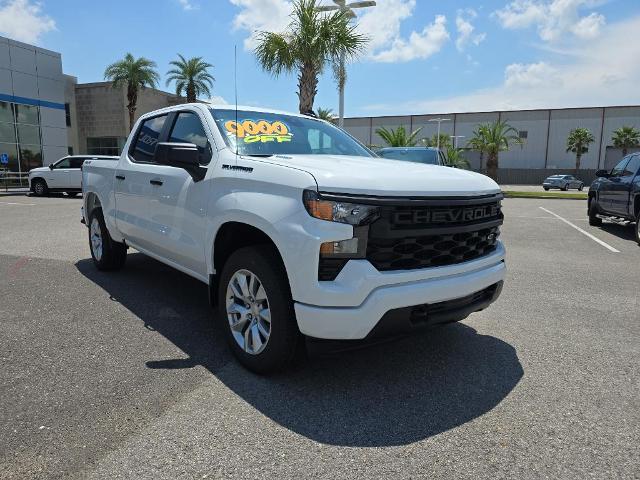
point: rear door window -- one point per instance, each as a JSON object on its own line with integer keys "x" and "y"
{"x": 143, "y": 147}
{"x": 76, "y": 162}
{"x": 188, "y": 128}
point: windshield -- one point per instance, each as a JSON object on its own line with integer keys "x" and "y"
{"x": 265, "y": 134}
{"x": 419, "y": 156}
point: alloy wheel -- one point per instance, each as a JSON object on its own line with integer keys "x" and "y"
{"x": 96, "y": 239}
{"x": 248, "y": 312}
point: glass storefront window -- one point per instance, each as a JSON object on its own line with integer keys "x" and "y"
{"x": 27, "y": 114}
{"x": 28, "y": 134}
{"x": 6, "y": 112}
{"x": 7, "y": 133}
{"x": 30, "y": 157}
{"x": 12, "y": 151}
{"x": 104, "y": 145}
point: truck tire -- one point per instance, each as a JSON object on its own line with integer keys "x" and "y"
{"x": 256, "y": 309}
{"x": 107, "y": 254}
{"x": 40, "y": 188}
{"x": 594, "y": 220}
{"x": 638, "y": 227}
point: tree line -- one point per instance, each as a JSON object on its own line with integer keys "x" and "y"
{"x": 489, "y": 139}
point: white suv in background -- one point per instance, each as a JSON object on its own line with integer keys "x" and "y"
{"x": 65, "y": 175}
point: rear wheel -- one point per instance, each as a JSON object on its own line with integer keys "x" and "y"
{"x": 107, "y": 254}
{"x": 40, "y": 187}
{"x": 256, "y": 309}
{"x": 594, "y": 220}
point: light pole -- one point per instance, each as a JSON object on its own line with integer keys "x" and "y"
{"x": 348, "y": 8}
{"x": 439, "y": 120}
{"x": 455, "y": 140}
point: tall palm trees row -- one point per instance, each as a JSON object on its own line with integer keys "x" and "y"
{"x": 492, "y": 138}
{"x": 191, "y": 77}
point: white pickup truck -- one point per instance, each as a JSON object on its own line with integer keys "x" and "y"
{"x": 296, "y": 227}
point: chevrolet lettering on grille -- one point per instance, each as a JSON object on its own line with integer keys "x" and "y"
{"x": 447, "y": 215}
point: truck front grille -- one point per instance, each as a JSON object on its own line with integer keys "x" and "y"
{"x": 434, "y": 233}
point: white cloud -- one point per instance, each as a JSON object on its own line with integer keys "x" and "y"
{"x": 466, "y": 29}
{"x": 419, "y": 45}
{"x": 187, "y": 5}
{"x": 530, "y": 75}
{"x": 24, "y": 20}
{"x": 261, "y": 15}
{"x": 589, "y": 27}
{"x": 597, "y": 73}
{"x": 381, "y": 24}
{"x": 552, "y": 18}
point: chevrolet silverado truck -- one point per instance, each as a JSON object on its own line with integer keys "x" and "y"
{"x": 616, "y": 193}
{"x": 297, "y": 229}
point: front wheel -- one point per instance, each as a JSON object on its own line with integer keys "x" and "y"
{"x": 40, "y": 187}
{"x": 107, "y": 254}
{"x": 256, "y": 309}
{"x": 594, "y": 220}
{"x": 566, "y": 187}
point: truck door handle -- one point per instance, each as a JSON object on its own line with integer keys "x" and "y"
{"x": 155, "y": 182}
{"x": 120, "y": 177}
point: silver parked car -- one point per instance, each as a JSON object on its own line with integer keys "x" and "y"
{"x": 563, "y": 182}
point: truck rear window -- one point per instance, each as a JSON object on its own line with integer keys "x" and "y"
{"x": 262, "y": 133}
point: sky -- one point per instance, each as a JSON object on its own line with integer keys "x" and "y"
{"x": 424, "y": 56}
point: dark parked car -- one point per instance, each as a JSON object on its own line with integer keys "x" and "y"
{"x": 563, "y": 182}
{"x": 617, "y": 193}
{"x": 428, "y": 155}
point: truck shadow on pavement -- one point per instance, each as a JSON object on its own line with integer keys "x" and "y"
{"x": 624, "y": 232}
{"x": 390, "y": 394}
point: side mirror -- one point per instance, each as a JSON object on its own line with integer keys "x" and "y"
{"x": 51, "y": 166}
{"x": 180, "y": 155}
{"x": 602, "y": 173}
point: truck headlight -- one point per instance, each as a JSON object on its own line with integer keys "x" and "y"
{"x": 342, "y": 212}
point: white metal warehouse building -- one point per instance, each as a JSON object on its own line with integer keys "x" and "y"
{"x": 544, "y": 132}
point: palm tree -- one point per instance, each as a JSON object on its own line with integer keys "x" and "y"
{"x": 477, "y": 142}
{"x": 455, "y": 158}
{"x": 398, "y": 137}
{"x": 135, "y": 74}
{"x": 626, "y": 138}
{"x": 191, "y": 76}
{"x": 578, "y": 142}
{"x": 445, "y": 141}
{"x": 493, "y": 138}
{"x": 326, "y": 114}
{"x": 312, "y": 40}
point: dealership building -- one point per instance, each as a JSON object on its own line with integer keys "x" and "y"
{"x": 45, "y": 114}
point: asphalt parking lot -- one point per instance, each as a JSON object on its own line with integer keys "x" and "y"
{"x": 124, "y": 375}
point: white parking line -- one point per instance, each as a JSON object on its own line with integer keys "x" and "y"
{"x": 15, "y": 203}
{"x": 595, "y": 239}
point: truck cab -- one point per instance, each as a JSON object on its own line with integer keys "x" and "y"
{"x": 616, "y": 193}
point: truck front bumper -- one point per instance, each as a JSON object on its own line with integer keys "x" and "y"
{"x": 404, "y": 305}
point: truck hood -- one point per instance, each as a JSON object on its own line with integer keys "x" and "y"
{"x": 384, "y": 177}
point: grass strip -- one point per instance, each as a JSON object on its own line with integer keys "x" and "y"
{"x": 570, "y": 196}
